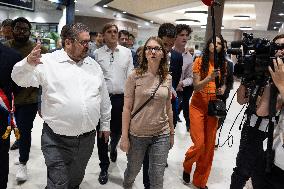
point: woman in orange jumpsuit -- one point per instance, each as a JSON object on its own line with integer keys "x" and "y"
{"x": 203, "y": 127}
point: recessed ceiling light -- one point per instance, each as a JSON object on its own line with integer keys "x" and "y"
{"x": 245, "y": 28}
{"x": 105, "y": 6}
{"x": 196, "y": 12}
{"x": 281, "y": 14}
{"x": 124, "y": 12}
{"x": 277, "y": 22}
{"x": 242, "y": 17}
{"x": 187, "y": 21}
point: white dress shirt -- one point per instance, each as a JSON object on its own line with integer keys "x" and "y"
{"x": 187, "y": 75}
{"x": 74, "y": 95}
{"x": 116, "y": 66}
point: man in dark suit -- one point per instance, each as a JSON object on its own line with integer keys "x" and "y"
{"x": 8, "y": 58}
{"x": 167, "y": 32}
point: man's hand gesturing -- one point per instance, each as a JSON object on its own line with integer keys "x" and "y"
{"x": 34, "y": 57}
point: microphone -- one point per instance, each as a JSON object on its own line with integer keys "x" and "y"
{"x": 208, "y": 2}
{"x": 211, "y": 2}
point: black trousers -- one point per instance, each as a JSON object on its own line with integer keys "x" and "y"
{"x": 115, "y": 128}
{"x": 183, "y": 98}
{"x": 4, "y": 153}
{"x": 248, "y": 157}
{"x": 25, "y": 115}
{"x": 271, "y": 180}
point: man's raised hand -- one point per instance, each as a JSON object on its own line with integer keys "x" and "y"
{"x": 34, "y": 57}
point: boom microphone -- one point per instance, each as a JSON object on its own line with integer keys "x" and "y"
{"x": 208, "y": 2}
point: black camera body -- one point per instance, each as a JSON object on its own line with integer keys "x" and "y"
{"x": 254, "y": 57}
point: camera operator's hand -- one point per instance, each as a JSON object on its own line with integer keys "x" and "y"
{"x": 278, "y": 75}
{"x": 242, "y": 96}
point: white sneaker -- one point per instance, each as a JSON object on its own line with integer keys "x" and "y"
{"x": 22, "y": 175}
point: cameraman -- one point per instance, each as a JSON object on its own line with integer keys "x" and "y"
{"x": 274, "y": 179}
{"x": 252, "y": 136}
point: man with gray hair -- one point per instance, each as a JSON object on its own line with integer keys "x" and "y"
{"x": 74, "y": 99}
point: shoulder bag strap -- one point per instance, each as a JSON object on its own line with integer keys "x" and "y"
{"x": 147, "y": 101}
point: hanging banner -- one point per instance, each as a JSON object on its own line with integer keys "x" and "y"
{"x": 19, "y": 4}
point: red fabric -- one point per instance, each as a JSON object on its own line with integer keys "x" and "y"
{"x": 207, "y": 2}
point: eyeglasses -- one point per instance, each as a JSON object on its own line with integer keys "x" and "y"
{"x": 83, "y": 43}
{"x": 150, "y": 49}
{"x": 18, "y": 29}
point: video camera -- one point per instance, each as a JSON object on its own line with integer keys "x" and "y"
{"x": 254, "y": 56}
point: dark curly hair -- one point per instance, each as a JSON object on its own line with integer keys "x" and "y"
{"x": 21, "y": 19}
{"x": 143, "y": 62}
{"x": 221, "y": 59}
{"x": 181, "y": 27}
{"x": 167, "y": 30}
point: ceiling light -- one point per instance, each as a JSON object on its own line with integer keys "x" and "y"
{"x": 196, "y": 12}
{"x": 77, "y": 10}
{"x": 152, "y": 21}
{"x": 75, "y": 1}
{"x": 147, "y": 23}
{"x": 187, "y": 21}
{"x": 281, "y": 14}
{"x": 242, "y": 17}
{"x": 105, "y": 6}
{"x": 139, "y": 26}
{"x": 277, "y": 22}
{"x": 203, "y": 26}
{"x": 245, "y": 28}
{"x": 124, "y": 12}
{"x": 275, "y": 27}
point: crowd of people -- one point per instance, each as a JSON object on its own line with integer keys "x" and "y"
{"x": 96, "y": 88}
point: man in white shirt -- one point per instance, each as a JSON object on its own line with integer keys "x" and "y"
{"x": 185, "y": 87}
{"x": 117, "y": 63}
{"x": 74, "y": 99}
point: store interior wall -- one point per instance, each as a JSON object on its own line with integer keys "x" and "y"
{"x": 97, "y": 24}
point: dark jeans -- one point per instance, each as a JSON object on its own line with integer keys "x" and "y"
{"x": 66, "y": 157}
{"x": 25, "y": 115}
{"x": 184, "y": 97}
{"x": 249, "y": 155}
{"x": 4, "y": 154}
{"x": 115, "y": 128}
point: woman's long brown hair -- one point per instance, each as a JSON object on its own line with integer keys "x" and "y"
{"x": 143, "y": 62}
{"x": 221, "y": 60}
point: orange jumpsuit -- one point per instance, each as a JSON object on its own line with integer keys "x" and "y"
{"x": 203, "y": 130}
